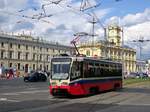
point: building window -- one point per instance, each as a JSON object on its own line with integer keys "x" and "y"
{"x": 40, "y": 48}
{"x": 88, "y": 53}
{"x": 118, "y": 41}
{"x": 18, "y": 46}
{"x": 18, "y": 66}
{"x": 19, "y": 55}
{"x": 10, "y": 64}
{"x": 11, "y": 55}
{"x": 112, "y": 41}
{"x": 40, "y": 57}
{"x": 47, "y": 58}
{"x": 53, "y": 50}
{"x": 34, "y": 56}
{"x": 11, "y": 45}
{"x": 40, "y": 66}
{"x": 2, "y": 54}
{"x": 33, "y": 66}
{"x": 46, "y": 67}
{"x": 47, "y": 49}
{"x": 26, "y": 47}
{"x": 33, "y": 47}
{"x": 27, "y": 56}
{"x": 2, "y": 44}
{"x": 59, "y": 51}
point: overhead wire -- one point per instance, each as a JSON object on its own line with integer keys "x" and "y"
{"x": 27, "y": 17}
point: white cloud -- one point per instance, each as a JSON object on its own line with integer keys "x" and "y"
{"x": 72, "y": 20}
{"x": 113, "y": 20}
{"x": 137, "y": 31}
{"x": 137, "y": 18}
{"x": 2, "y": 4}
{"x": 15, "y": 4}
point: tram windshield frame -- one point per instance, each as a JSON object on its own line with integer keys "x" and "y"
{"x": 60, "y": 68}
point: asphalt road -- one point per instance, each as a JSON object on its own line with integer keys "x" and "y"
{"x": 17, "y": 96}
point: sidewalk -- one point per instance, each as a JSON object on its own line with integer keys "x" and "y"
{"x": 6, "y": 78}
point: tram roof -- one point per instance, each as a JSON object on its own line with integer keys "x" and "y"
{"x": 80, "y": 58}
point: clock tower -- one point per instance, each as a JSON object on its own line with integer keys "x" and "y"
{"x": 114, "y": 35}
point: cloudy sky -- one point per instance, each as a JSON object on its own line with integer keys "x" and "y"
{"x": 58, "y": 22}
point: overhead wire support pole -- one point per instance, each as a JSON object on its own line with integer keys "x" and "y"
{"x": 93, "y": 32}
{"x": 94, "y": 16}
{"x": 140, "y": 41}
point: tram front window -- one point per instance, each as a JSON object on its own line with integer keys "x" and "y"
{"x": 60, "y": 70}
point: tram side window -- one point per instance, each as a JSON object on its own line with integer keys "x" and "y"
{"x": 114, "y": 70}
{"x": 97, "y": 70}
{"x": 76, "y": 70}
{"x": 85, "y": 70}
{"x": 102, "y": 69}
{"x": 89, "y": 70}
{"x": 107, "y": 70}
{"x": 119, "y": 70}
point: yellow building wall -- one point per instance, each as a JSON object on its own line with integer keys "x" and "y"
{"x": 127, "y": 56}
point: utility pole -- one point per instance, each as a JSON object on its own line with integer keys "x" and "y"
{"x": 141, "y": 41}
{"x": 93, "y": 22}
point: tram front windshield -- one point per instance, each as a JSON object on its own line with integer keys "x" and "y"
{"x": 60, "y": 70}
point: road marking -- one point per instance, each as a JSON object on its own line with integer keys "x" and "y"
{"x": 15, "y": 94}
{"x": 32, "y": 88}
{"x": 35, "y": 91}
{"x": 137, "y": 104}
{"x": 26, "y": 92}
{"x": 5, "y": 99}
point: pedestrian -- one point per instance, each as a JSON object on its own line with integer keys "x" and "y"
{"x": 14, "y": 72}
{"x": 17, "y": 73}
{"x": 11, "y": 74}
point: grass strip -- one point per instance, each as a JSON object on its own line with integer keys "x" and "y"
{"x": 135, "y": 80}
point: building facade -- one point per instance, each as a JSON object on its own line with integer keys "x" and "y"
{"x": 26, "y": 53}
{"x": 112, "y": 49}
{"x": 141, "y": 66}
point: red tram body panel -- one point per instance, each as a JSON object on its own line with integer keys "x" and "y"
{"x": 80, "y": 80}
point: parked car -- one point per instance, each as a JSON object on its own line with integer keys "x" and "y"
{"x": 36, "y": 76}
{"x": 142, "y": 75}
{"x": 133, "y": 75}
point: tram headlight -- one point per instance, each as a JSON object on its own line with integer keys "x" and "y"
{"x": 53, "y": 83}
{"x": 64, "y": 83}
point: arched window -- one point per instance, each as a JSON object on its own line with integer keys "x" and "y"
{"x": 88, "y": 52}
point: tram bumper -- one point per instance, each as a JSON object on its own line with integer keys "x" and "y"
{"x": 59, "y": 90}
{"x": 67, "y": 90}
